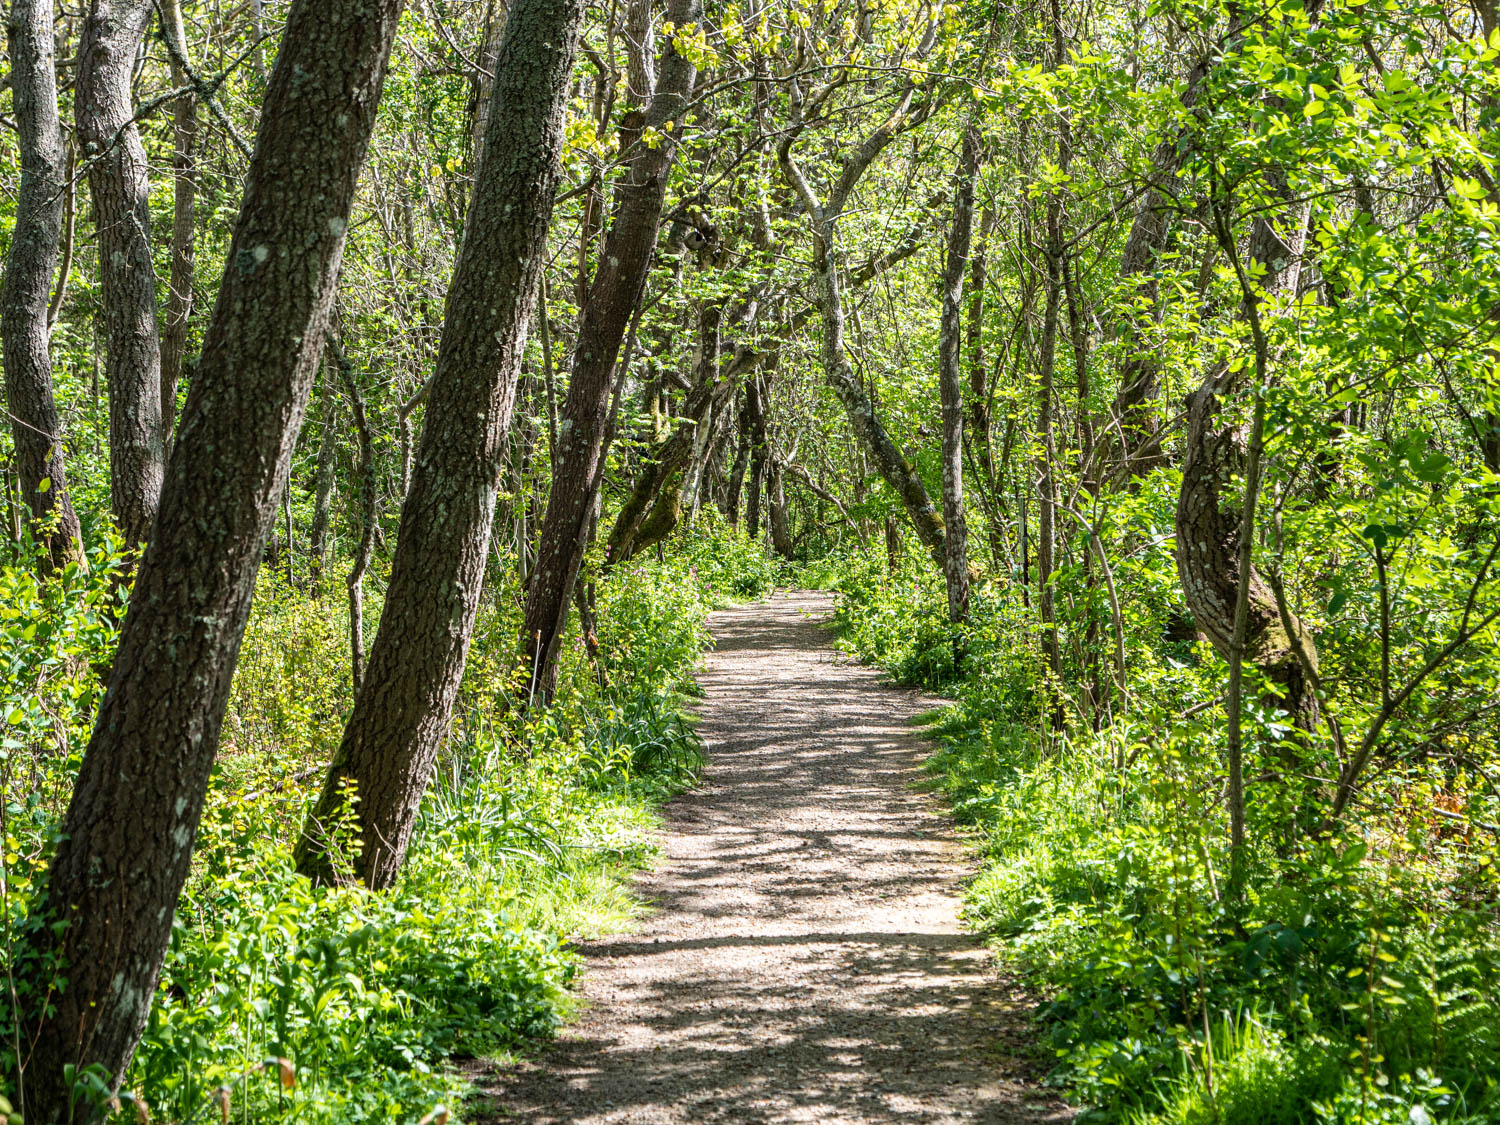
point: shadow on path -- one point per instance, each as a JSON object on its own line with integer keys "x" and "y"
{"x": 805, "y": 961}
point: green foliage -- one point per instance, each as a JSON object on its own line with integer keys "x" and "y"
{"x": 330, "y": 1004}
{"x": 1360, "y": 979}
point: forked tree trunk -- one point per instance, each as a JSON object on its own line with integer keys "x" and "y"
{"x": 417, "y": 661}
{"x": 620, "y": 278}
{"x": 127, "y": 838}
{"x": 118, "y": 185}
{"x": 35, "y": 425}
{"x": 950, "y": 382}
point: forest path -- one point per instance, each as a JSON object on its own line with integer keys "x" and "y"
{"x": 805, "y": 961}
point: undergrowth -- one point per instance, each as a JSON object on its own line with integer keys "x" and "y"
{"x": 288, "y": 1002}
{"x": 1358, "y": 980}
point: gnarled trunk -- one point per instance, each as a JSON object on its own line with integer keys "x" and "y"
{"x": 1210, "y": 506}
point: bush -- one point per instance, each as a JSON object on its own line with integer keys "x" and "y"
{"x": 1359, "y": 978}
{"x": 333, "y": 1004}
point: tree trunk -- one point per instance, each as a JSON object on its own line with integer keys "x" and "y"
{"x": 484, "y": 80}
{"x": 709, "y": 340}
{"x": 620, "y": 278}
{"x": 35, "y": 425}
{"x": 116, "y": 161}
{"x": 1134, "y": 408}
{"x": 127, "y": 838}
{"x": 755, "y": 410}
{"x": 981, "y": 435}
{"x": 185, "y": 190}
{"x": 680, "y": 449}
{"x": 950, "y": 382}
{"x": 781, "y": 531}
{"x": 354, "y": 581}
{"x": 318, "y": 546}
{"x": 889, "y": 461}
{"x": 736, "y": 483}
{"x": 1046, "y": 529}
{"x": 417, "y": 661}
{"x": 1210, "y": 505}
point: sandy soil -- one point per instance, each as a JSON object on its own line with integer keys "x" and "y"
{"x": 805, "y": 962}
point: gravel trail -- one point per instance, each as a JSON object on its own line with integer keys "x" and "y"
{"x": 805, "y": 960}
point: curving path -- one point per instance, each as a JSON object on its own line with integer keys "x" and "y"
{"x": 805, "y": 962}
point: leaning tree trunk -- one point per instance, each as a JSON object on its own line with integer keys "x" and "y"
{"x": 116, "y": 161}
{"x": 417, "y": 661}
{"x": 643, "y": 505}
{"x": 35, "y": 425}
{"x": 620, "y": 278}
{"x": 127, "y": 838}
{"x": 950, "y": 382}
{"x": 889, "y": 461}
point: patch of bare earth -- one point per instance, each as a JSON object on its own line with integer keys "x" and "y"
{"x": 805, "y": 960}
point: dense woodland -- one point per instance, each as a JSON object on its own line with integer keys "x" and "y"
{"x": 392, "y": 390}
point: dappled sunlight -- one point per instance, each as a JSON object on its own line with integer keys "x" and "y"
{"x": 805, "y": 962}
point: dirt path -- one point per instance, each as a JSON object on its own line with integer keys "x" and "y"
{"x": 805, "y": 962}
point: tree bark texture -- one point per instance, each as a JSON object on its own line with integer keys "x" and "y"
{"x": 417, "y": 661}
{"x": 127, "y": 838}
{"x": 619, "y": 280}
{"x": 35, "y": 425}
{"x": 951, "y": 381}
{"x": 118, "y": 185}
